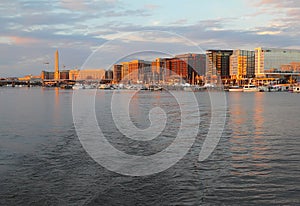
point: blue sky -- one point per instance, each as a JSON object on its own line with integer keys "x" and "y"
{"x": 31, "y": 30}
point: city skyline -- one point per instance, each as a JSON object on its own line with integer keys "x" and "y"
{"x": 32, "y": 31}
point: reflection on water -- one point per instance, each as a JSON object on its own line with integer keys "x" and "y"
{"x": 248, "y": 141}
{"x": 42, "y": 162}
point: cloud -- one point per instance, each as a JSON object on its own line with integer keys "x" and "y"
{"x": 279, "y": 3}
{"x": 77, "y": 5}
{"x": 17, "y": 40}
{"x": 151, "y": 6}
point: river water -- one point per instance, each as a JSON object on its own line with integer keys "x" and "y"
{"x": 42, "y": 162}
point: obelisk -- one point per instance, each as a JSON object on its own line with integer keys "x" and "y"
{"x": 56, "y": 66}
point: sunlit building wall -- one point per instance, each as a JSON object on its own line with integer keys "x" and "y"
{"x": 73, "y": 74}
{"x": 158, "y": 70}
{"x": 242, "y": 64}
{"x": 91, "y": 74}
{"x": 124, "y": 72}
{"x": 176, "y": 68}
{"x": 139, "y": 71}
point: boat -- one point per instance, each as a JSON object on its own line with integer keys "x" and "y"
{"x": 270, "y": 88}
{"x": 155, "y": 88}
{"x": 105, "y": 86}
{"x": 250, "y": 88}
{"x": 78, "y": 86}
{"x": 296, "y": 89}
{"x": 66, "y": 86}
{"x": 235, "y": 88}
{"x": 90, "y": 86}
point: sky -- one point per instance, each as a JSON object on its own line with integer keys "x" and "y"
{"x": 100, "y": 33}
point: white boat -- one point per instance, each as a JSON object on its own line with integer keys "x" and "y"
{"x": 235, "y": 88}
{"x": 296, "y": 89}
{"x": 105, "y": 86}
{"x": 270, "y": 88}
{"x": 78, "y": 86}
{"x": 250, "y": 88}
{"x": 90, "y": 86}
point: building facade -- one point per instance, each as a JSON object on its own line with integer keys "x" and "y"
{"x": 272, "y": 60}
{"x": 124, "y": 72}
{"x": 196, "y": 64}
{"x": 139, "y": 71}
{"x": 242, "y": 64}
{"x": 45, "y": 75}
{"x": 117, "y": 73}
{"x": 218, "y": 64}
{"x": 91, "y": 75}
{"x": 158, "y": 67}
{"x": 64, "y": 74}
{"x": 73, "y": 74}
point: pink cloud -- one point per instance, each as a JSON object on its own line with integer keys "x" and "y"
{"x": 279, "y": 3}
{"x": 74, "y": 5}
{"x": 17, "y": 40}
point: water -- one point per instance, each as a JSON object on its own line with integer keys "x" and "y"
{"x": 257, "y": 161}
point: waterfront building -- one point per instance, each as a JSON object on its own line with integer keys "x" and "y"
{"x": 139, "y": 71}
{"x": 117, "y": 73}
{"x": 64, "y": 74}
{"x": 91, "y": 75}
{"x": 270, "y": 61}
{"x": 196, "y": 64}
{"x": 292, "y": 67}
{"x": 109, "y": 75}
{"x": 176, "y": 70}
{"x": 30, "y": 78}
{"x": 124, "y": 71}
{"x": 242, "y": 65}
{"x": 218, "y": 64}
{"x": 45, "y": 75}
{"x": 158, "y": 70}
{"x": 135, "y": 71}
{"x": 73, "y": 74}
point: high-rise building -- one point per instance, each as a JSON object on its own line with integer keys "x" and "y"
{"x": 158, "y": 70}
{"x": 217, "y": 63}
{"x": 196, "y": 64}
{"x": 272, "y": 60}
{"x": 109, "y": 75}
{"x": 56, "y": 65}
{"x": 117, "y": 73}
{"x": 135, "y": 71}
{"x": 242, "y": 64}
{"x": 139, "y": 71}
{"x": 124, "y": 72}
{"x": 176, "y": 68}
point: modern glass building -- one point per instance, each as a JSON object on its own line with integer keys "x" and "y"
{"x": 242, "y": 64}
{"x": 217, "y": 63}
{"x": 272, "y": 60}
